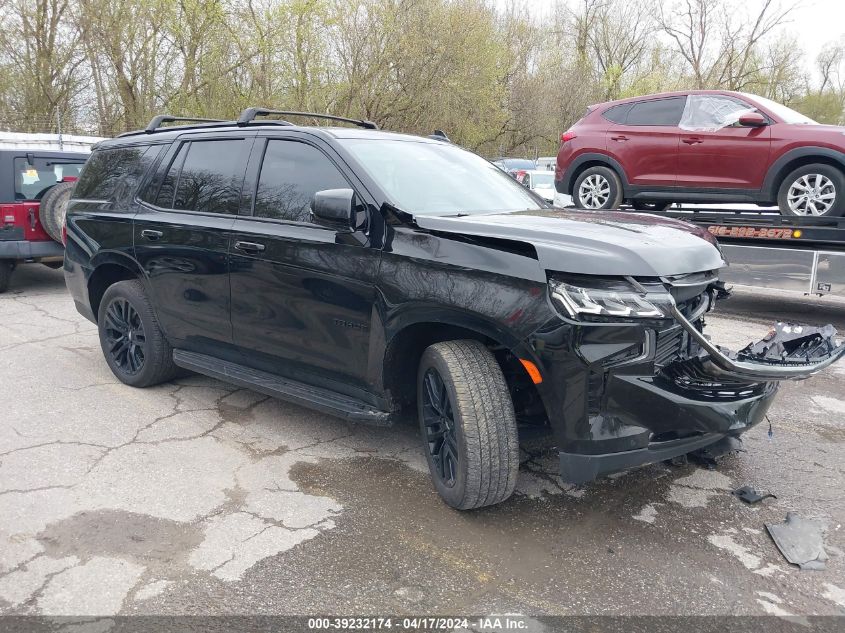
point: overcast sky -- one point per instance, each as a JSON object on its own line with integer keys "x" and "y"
{"x": 814, "y": 22}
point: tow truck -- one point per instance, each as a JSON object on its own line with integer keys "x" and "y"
{"x": 764, "y": 249}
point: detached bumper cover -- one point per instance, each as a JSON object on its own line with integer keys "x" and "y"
{"x": 789, "y": 352}
{"x": 24, "y": 249}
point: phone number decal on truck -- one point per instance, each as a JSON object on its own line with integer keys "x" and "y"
{"x": 766, "y": 233}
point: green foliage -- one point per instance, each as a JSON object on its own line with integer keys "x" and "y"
{"x": 493, "y": 76}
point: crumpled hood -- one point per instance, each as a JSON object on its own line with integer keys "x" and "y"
{"x": 595, "y": 242}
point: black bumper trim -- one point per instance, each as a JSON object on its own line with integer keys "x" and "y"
{"x": 578, "y": 468}
{"x": 25, "y": 249}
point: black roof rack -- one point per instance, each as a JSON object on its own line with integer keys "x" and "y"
{"x": 249, "y": 115}
{"x": 157, "y": 121}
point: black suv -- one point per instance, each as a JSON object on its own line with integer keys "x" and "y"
{"x": 363, "y": 273}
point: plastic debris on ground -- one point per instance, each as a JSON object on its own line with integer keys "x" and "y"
{"x": 750, "y": 495}
{"x": 801, "y": 541}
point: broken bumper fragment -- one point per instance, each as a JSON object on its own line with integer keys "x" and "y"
{"x": 789, "y": 352}
{"x": 660, "y": 405}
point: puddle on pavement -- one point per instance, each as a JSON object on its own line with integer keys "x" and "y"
{"x": 147, "y": 539}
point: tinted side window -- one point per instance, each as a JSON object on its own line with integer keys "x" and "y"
{"x": 212, "y": 176}
{"x": 658, "y": 112}
{"x": 291, "y": 174}
{"x": 109, "y": 172}
{"x": 165, "y": 195}
{"x": 618, "y": 113}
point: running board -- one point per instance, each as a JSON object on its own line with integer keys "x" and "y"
{"x": 317, "y": 398}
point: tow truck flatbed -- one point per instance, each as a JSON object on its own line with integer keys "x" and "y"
{"x": 767, "y": 250}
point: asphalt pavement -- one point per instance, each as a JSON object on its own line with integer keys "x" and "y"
{"x": 196, "y": 497}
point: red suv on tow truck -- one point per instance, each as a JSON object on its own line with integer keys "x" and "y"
{"x": 702, "y": 146}
{"x": 37, "y": 172}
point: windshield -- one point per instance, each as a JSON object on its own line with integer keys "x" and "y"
{"x": 439, "y": 179}
{"x": 787, "y": 115}
{"x": 543, "y": 180}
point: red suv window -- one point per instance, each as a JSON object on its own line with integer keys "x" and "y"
{"x": 657, "y": 112}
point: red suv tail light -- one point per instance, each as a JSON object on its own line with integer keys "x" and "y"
{"x": 567, "y": 136}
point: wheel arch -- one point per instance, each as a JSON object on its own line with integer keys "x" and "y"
{"x": 794, "y": 159}
{"x": 108, "y": 269}
{"x": 405, "y": 348}
{"x": 584, "y": 162}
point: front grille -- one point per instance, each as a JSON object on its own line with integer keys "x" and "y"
{"x": 674, "y": 343}
{"x": 669, "y": 346}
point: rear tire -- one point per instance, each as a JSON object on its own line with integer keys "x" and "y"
{"x": 816, "y": 190}
{"x": 6, "y": 269}
{"x": 597, "y": 188}
{"x": 650, "y": 206}
{"x": 468, "y": 424}
{"x": 53, "y": 209}
{"x": 133, "y": 344}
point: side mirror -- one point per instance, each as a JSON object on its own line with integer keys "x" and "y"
{"x": 334, "y": 209}
{"x": 753, "y": 119}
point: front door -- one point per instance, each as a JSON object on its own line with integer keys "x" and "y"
{"x": 712, "y": 155}
{"x": 181, "y": 234}
{"x": 302, "y": 294}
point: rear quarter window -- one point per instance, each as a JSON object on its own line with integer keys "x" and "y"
{"x": 109, "y": 173}
{"x": 618, "y": 113}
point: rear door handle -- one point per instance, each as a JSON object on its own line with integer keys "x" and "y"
{"x": 619, "y": 138}
{"x": 250, "y": 247}
{"x": 692, "y": 141}
{"x": 151, "y": 234}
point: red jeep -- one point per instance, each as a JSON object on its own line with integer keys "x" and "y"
{"x": 36, "y": 179}
{"x": 702, "y": 146}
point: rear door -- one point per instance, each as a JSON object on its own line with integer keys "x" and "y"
{"x": 730, "y": 157}
{"x": 646, "y": 143}
{"x": 302, "y": 294}
{"x": 181, "y": 235}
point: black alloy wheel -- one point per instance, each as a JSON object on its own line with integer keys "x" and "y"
{"x": 439, "y": 421}
{"x": 125, "y": 336}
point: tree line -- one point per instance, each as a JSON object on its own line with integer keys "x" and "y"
{"x": 498, "y": 78}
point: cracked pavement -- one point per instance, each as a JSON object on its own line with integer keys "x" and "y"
{"x": 196, "y": 497}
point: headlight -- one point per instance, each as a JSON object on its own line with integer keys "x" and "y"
{"x": 608, "y": 298}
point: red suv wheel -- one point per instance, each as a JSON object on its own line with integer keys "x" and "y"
{"x": 597, "y": 188}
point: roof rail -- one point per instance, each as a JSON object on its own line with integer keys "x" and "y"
{"x": 157, "y": 121}
{"x": 249, "y": 115}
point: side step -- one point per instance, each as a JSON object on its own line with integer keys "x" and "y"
{"x": 318, "y": 398}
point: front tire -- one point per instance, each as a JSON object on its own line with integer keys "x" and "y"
{"x": 813, "y": 190}
{"x": 133, "y": 344}
{"x": 468, "y": 424}
{"x": 597, "y": 188}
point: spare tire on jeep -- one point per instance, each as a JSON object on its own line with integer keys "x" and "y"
{"x": 53, "y": 209}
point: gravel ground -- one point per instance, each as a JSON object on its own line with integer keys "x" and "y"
{"x": 199, "y": 498}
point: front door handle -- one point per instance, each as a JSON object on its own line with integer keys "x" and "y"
{"x": 692, "y": 141}
{"x": 619, "y": 138}
{"x": 249, "y": 247}
{"x": 151, "y": 234}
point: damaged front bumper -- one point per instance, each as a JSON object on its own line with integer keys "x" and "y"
{"x": 675, "y": 393}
